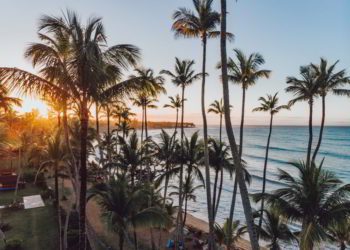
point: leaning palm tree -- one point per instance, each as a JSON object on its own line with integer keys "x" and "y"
{"x": 183, "y": 76}
{"x": 328, "y": 80}
{"x": 269, "y": 104}
{"x": 175, "y": 103}
{"x": 305, "y": 88}
{"x": 275, "y": 229}
{"x": 202, "y": 23}
{"x": 313, "y": 197}
{"x": 126, "y": 208}
{"x": 75, "y": 68}
{"x": 230, "y": 135}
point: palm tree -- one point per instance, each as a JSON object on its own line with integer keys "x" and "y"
{"x": 57, "y": 160}
{"x": 126, "y": 208}
{"x": 231, "y": 137}
{"x": 315, "y": 197}
{"x": 340, "y": 233}
{"x": 6, "y": 102}
{"x": 220, "y": 160}
{"x": 227, "y": 236}
{"x": 131, "y": 156}
{"x": 76, "y": 67}
{"x": 305, "y": 89}
{"x": 200, "y": 24}
{"x": 275, "y": 229}
{"x": 328, "y": 80}
{"x": 175, "y": 103}
{"x": 165, "y": 153}
{"x": 217, "y": 107}
{"x": 183, "y": 76}
{"x": 188, "y": 192}
{"x": 269, "y": 104}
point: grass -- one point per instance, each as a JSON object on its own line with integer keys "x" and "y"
{"x": 35, "y": 227}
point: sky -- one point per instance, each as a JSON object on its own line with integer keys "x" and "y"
{"x": 287, "y": 33}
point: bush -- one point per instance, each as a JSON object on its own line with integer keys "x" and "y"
{"x": 13, "y": 244}
{"x": 48, "y": 194}
{"x": 41, "y": 181}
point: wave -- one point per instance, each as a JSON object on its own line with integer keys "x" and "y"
{"x": 277, "y": 148}
{"x": 270, "y": 159}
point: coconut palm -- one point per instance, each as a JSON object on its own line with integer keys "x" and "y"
{"x": 269, "y": 104}
{"x": 183, "y": 76}
{"x": 230, "y": 135}
{"x": 188, "y": 193}
{"x": 7, "y": 102}
{"x": 217, "y": 107}
{"x": 165, "y": 153}
{"x": 56, "y": 159}
{"x": 328, "y": 80}
{"x": 340, "y": 233}
{"x": 126, "y": 208}
{"x": 76, "y": 67}
{"x": 305, "y": 88}
{"x": 175, "y": 103}
{"x": 219, "y": 160}
{"x": 275, "y": 229}
{"x": 314, "y": 197}
{"x": 227, "y": 236}
{"x": 202, "y": 23}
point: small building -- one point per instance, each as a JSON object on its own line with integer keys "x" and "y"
{"x": 8, "y": 179}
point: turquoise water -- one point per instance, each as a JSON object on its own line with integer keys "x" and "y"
{"x": 287, "y": 144}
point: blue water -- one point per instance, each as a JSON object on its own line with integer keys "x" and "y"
{"x": 287, "y": 144}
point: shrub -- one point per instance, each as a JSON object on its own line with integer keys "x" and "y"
{"x": 41, "y": 181}
{"x": 29, "y": 175}
{"x": 13, "y": 244}
{"x": 47, "y": 194}
{"x": 5, "y": 226}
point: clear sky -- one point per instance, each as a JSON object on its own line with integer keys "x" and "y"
{"x": 287, "y": 33}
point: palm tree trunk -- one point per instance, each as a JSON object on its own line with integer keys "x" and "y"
{"x": 220, "y": 190}
{"x": 177, "y": 118}
{"x": 220, "y": 134}
{"x": 109, "y": 153}
{"x": 185, "y": 216}
{"x": 310, "y": 132}
{"x": 206, "y": 153}
{"x": 244, "y": 192}
{"x": 98, "y": 130}
{"x": 214, "y": 193}
{"x": 342, "y": 245}
{"x": 121, "y": 240}
{"x": 142, "y": 121}
{"x": 146, "y": 126}
{"x": 84, "y": 120}
{"x": 179, "y": 227}
{"x": 165, "y": 188}
{"x": 58, "y": 119}
{"x": 321, "y": 128}
{"x": 264, "y": 174}
{"x": 58, "y": 209}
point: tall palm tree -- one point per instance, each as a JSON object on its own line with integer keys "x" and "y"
{"x": 305, "y": 88}
{"x": 7, "y": 102}
{"x": 275, "y": 229}
{"x": 183, "y": 76}
{"x": 126, "y": 208}
{"x": 76, "y": 67}
{"x": 175, "y": 103}
{"x": 202, "y": 23}
{"x": 56, "y": 158}
{"x": 230, "y": 135}
{"x": 314, "y": 197}
{"x": 217, "y": 107}
{"x": 269, "y": 104}
{"x": 165, "y": 153}
{"x": 220, "y": 160}
{"x": 328, "y": 80}
{"x": 188, "y": 193}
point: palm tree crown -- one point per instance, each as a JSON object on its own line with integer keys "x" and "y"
{"x": 270, "y": 104}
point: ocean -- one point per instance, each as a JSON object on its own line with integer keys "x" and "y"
{"x": 288, "y": 143}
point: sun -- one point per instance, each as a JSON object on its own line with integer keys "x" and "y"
{"x": 30, "y": 103}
